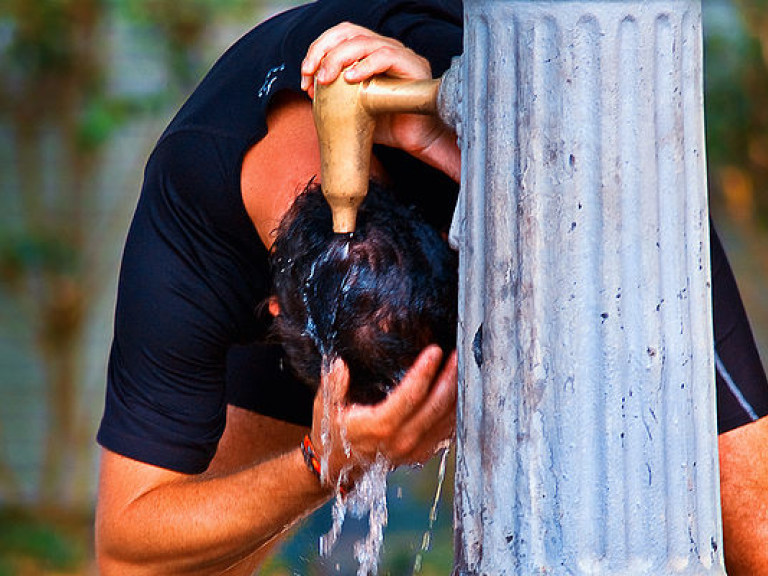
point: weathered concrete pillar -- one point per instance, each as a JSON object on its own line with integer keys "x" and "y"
{"x": 586, "y": 433}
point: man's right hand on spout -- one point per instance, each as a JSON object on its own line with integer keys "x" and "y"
{"x": 362, "y": 54}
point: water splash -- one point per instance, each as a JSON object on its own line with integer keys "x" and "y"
{"x": 369, "y": 498}
{"x": 325, "y": 424}
{"x": 338, "y": 514}
{"x": 321, "y": 324}
{"x": 321, "y": 328}
{"x": 426, "y": 540}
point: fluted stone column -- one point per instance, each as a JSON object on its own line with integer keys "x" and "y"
{"x": 586, "y": 432}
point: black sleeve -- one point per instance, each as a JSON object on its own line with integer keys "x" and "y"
{"x": 183, "y": 298}
{"x": 742, "y": 389}
{"x": 260, "y": 380}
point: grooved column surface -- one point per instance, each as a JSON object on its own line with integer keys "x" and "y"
{"x": 586, "y": 433}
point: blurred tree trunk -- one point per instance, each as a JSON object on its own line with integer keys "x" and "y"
{"x": 754, "y": 82}
{"x": 54, "y": 97}
{"x": 755, "y": 14}
{"x": 58, "y": 73}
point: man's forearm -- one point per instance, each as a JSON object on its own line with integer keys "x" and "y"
{"x": 744, "y": 493}
{"x": 200, "y": 525}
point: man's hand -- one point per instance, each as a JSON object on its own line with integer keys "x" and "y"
{"x": 407, "y": 428}
{"x": 362, "y": 54}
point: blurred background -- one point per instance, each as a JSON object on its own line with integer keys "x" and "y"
{"x": 86, "y": 87}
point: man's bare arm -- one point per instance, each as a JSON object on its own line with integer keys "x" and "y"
{"x": 744, "y": 495}
{"x": 155, "y": 521}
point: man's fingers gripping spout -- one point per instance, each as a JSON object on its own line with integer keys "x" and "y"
{"x": 330, "y": 40}
{"x": 364, "y": 52}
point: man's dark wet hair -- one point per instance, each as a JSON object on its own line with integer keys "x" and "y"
{"x": 375, "y": 299}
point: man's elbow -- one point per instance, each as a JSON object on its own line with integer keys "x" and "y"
{"x": 122, "y": 550}
{"x": 109, "y": 566}
{"x": 111, "y": 556}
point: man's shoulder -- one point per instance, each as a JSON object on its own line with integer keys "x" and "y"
{"x": 194, "y": 164}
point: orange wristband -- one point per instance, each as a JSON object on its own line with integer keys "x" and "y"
{"x": 310, "y": 456}
{"x": 313, "y": 462}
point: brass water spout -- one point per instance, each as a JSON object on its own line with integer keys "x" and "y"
{"x": 345, "y": 120}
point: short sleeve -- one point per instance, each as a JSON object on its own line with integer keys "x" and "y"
{"x": 186, "y": 293}
{"x": 742, "y": 388}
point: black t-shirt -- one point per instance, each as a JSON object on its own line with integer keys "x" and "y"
{"x": 189, "y": 325}
{"x": 742, "y": 389}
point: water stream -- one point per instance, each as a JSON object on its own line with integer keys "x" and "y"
{"x": 426, "y": 540}
{"x": 369, "y": 497}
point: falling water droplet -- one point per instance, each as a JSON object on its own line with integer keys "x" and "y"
{"x": 426, "y": 540}
{"x": 369, "y": 498}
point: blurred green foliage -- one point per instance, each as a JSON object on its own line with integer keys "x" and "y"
{"x": 728, "y": 58}
{"x": 37, "y": 545}
{"x": 181, "y": 25}
{"x": 57, "y": 58}
{"x": 736, "y": 80}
